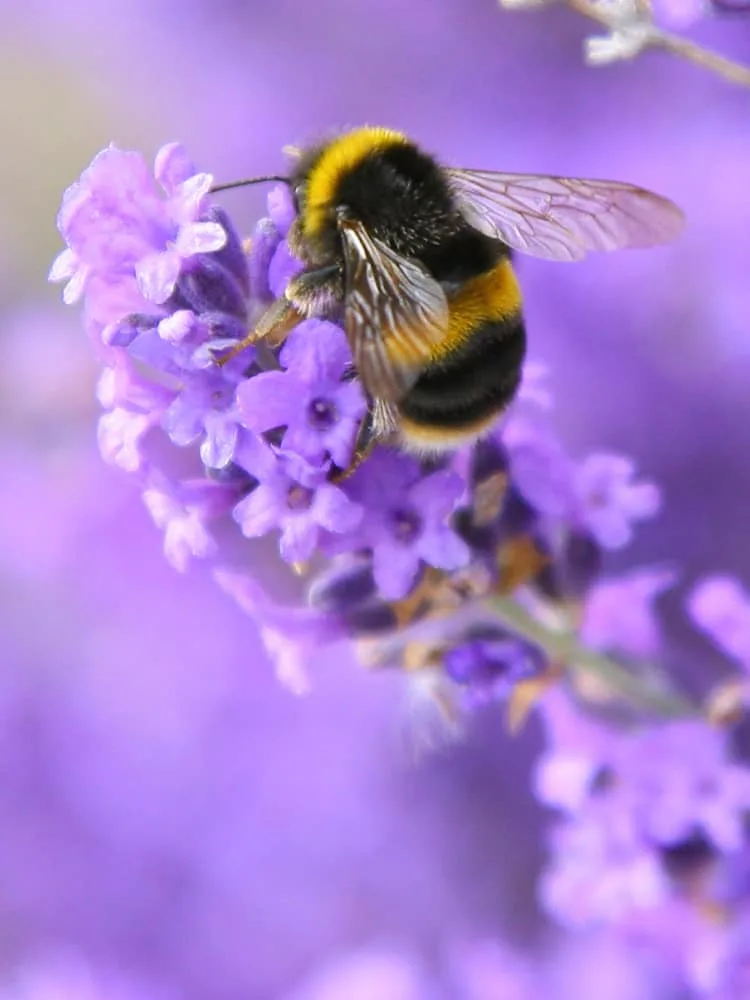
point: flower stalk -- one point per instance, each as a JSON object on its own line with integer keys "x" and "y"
{"x": 563, "y": 647}
{"x": 632, "y": 32}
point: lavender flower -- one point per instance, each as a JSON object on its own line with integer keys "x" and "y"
{"x": 296, "y": 498}
{"x": 412, "y": 559}
{"x": 609, "y": 501}
{"x": 649, "y": 815}
{"x": 721, "y": 607}
{"x": 114, "y": 218}
{"x": 489, "y": 663}
{"x": 319, "y": 411}
{"x": 619, "y": 613}
{"x": 412, "y": 553}
{"x": 405, "y": 521}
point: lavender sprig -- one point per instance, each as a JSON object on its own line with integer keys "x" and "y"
{"x": 480, "y": 576}
{"x": 461, "y": 571}
{"x": 634, "y": 26}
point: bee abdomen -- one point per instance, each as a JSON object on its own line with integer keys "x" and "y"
{"x": 474, "y": 373}
{"x": 460, "y": 397}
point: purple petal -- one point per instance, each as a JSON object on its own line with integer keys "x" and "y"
{"x": 541, "y": 470}
{"x": 122, "y": 384}
{"x": 299, "y": 536}
{"x": 620, "y": 613}
{"x": 172, "y": 166}
{"x": 395, "y": 567}
{"x": 200, "y": 237}
{"x": 64, "y": 266}
{"x": 533, "y": 388}
{"x": 440, "y": 547}
{"x": 643, "y": 500}
{"x": 207, "y": 286}
{"x": 254, "y": 456}
{"x": 265, "y": 242}
{"x": 289, "y": 633}
{"x": 185, "y": 534}
{"x": 113, "y": 216}
{"x": 435, "y": 497}
{"x": 609, "y": 528}
{"x": 179, "y": 326}
{"x": 340, "y": 442}
{"x": 157, "y": 274}
{"x": 217, "y": 450}
{"x": 303, "y": 440}
{"x": 269, "y": 400}
{"x": 381, "y": 482}
{"x": 721, "y": 607}
{"x": 281, "y": 207}
{"x": 258, "y": 513}
{"x": 183, "y": 420}
{"x": 232, "y": 255}
{"x": 563, "y": 780}
{"x": 282, "y": 269}
{"x": 210, "y": 498}
{"x": 189, "y": 199}
{"x": 334, "y": 511}
{"x": 186, "y": 537}
{"x": 610, "y": 500}
{"x": 293, "y": 620}
{"x": 350, "y": 400}
{"x": 120, "y": 334}
{"x": 76, "y": 286}
{"x": 120, "y": 434}
{"x": 724, "y": 828}
{"x": 300, "y": 469}
{"x": 317, "y": 351}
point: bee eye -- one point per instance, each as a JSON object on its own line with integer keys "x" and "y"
{"x": 298, "y": 192}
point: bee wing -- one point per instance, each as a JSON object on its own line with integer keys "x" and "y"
{"x": 563, "y": 218}
{"x": 395, "y": 313}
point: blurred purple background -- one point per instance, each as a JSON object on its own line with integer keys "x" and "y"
{"x": 165, "y": 808}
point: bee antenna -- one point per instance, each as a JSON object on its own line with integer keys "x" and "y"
{"x": 250, "y": 180}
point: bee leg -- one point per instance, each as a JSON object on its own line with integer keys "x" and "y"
{"x": 273, "y": 326}
{"x": 367, "y": 438}
{"x": 295, "y": 239}
{"x": 317, "y": 292}
{"x": 309, "y": 294}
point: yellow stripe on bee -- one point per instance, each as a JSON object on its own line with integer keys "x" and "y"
{"x": 341, "y": 156}
{"x": 493, "y": 296}
{"x": 433, "y": 439}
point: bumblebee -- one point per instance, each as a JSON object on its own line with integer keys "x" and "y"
{"x": 417, "y": 258}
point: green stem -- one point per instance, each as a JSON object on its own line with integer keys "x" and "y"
{"x": 565, "y": 649}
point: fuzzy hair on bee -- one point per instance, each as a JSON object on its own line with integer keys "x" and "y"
{"x": 416, "y": 259}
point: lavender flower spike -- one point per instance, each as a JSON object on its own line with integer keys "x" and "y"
{"x": 321, "y": 413}
{"x": 409, "y": 554}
